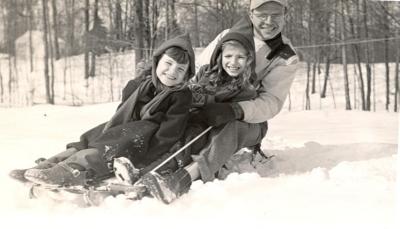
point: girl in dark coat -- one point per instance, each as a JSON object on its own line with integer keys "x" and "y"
{"x": 224, "y": 82}
{"x": 149, "y": 121}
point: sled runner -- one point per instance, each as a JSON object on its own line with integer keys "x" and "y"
{"x": 87, "y": 196}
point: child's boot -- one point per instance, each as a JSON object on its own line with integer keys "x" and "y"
{"x": 125, "y": 171}
{"x": 62, "y": 174}
{"x": 169, "y": 187}
{"x": 19, "y": 174}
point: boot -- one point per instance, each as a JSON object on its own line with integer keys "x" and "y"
{"x": 19, "y": 174}
{"x": 169, "y": 187}
{"x": 61, "y": 174}
{"x": 125, "y": 171}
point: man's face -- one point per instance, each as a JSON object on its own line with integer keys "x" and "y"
{"x": 170, "y": 72}
{"x": 268, "y": 20}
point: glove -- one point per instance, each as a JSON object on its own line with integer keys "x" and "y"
{"x": 216, "y": 114}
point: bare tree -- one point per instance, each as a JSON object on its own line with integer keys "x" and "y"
{"x": 356, "y": 53}
{"x": 386, "y": 31}
{"x": 344, "y": 58}
{"x": 69, "y": 6}
{"x": 367, "y": 57}
{"x": 196, "y": 33}
{"x": 139, "y": 31}
{"x": 327, "y": 52}
{"x": 30, "y": 23}
{"x": 92, "y": 72}
{"x": 55, "y": 29}
{"x": 308, "y": 102}
{"x": 86, "y": 55}
{"x": 49, "y": 95}
{"x": 167, "y": 23}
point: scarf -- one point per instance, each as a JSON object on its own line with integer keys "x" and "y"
{"x": 126, "y": 112}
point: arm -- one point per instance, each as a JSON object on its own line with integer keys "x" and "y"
{"x": 197, "y": 85}
{"x": 274, "y": 89}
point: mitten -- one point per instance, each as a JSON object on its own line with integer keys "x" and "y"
{"x": 217, "y": 114}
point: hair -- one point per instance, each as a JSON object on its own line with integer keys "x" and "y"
{"x": 178, "y": 54}
{"x": 216, "y": 71}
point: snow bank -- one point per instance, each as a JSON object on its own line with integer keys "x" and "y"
{"x": 332, "y": 169}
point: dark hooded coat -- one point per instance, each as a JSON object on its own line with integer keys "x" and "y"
{"x": 149, "y": 121}
{"x": 225, "y": 88}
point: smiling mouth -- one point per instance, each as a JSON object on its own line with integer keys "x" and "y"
{"x": 171, "y": 77}
{"x": 268, "y": 29}
{"x": 233, "y": 68}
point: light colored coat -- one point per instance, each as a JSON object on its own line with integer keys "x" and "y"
{"x": 274, "y": 77}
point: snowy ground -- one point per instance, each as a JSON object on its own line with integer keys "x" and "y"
{"x": 333, "y": 169}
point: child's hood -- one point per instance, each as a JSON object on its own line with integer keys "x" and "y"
{"x": 238, "y": 33}
{"x": 182, "y": 41}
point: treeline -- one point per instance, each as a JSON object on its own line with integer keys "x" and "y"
{"x": 361, "y": 32}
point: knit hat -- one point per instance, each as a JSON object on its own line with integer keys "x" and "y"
{"x": 256, "y": 3}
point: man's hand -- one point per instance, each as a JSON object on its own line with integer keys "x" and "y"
{"x": 215, "y": 114}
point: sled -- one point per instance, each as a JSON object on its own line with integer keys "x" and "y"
{"x": 125, "y": 183}
{"x": 121, "y": 185}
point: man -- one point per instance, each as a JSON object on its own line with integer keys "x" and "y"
{"x": 244, "y": 123}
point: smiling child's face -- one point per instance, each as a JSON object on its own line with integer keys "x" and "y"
{"x": 234, "y": 59}
{"x": 169, "y": 72}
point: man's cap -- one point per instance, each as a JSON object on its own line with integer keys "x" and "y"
{"x": 256, "y": 3}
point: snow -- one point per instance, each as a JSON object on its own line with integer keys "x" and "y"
{"x": 332, "y": 169}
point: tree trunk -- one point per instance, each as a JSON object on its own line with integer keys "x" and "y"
{"x": 309, "y": 57}
{"x": 30, "y": 23}
{"x": 344, "y": 61}
{"x": 367, "y": 64}
{"x": 10, "y": 39}
{"x": 51, "y": 49}
{"x": 326, "y": 78}
{"x": 167, "y": 20}
{"x": 154, "y": 22}
{"x": 118, "y": 21}
{"x": 69, "y": 9}
{"x": 386, "y": 54}
{"x": 46, "y": 52}
{"x": 313, "y": 77}
{"x": 196, "y": 26}
{"x": 308, "y": 102}
{"x": 327, "y": 57}
{"x": 86, "y": 55}
{"x": 55, "y": 29}
{"x": 173, "y": 21}
{"x": 92, "y": 72}
{"x": 146, "y": 29}
{"x": 357, "y": 57}
{"x": 139, "y": 31}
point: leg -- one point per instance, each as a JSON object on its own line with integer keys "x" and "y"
{"x": 85, "y": 165}
{"x": 224, "y": 142}
{"x": 58, "y": 157}
{"x": 19, "y": 174}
